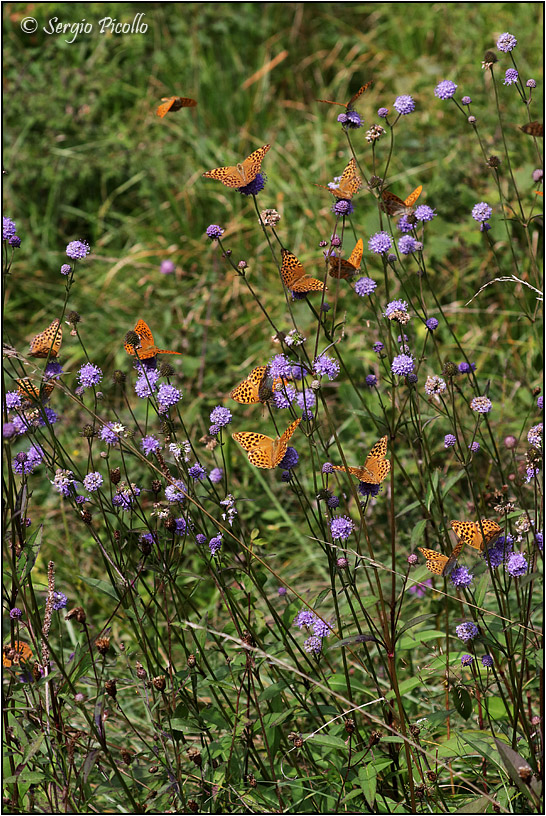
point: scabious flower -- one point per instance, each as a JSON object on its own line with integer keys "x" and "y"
{"x": 59, "y": 600}
{"x": 366, "y": 489}
{"x": 322, "y": 629}
{"x": 481, "y": 404}
{"x": 167, "y": 395}
{"x": 8, "y": 430}
{"x": 200, "y": 539}
{"x": 466, "y": 368}
{"x": 531, "y": 473}
{"x": 281, "y": 591}
{"x": 197, "y": 472}
{"x": 214, "y": 231}
{"x": 26, "y": 462}
{"x": 306, "y": 399}
{"x": 215, "y": 544}
{"x": 350, "y": 119}
{"x": 380, "y": 243}
{"x": 394, "y": 307}
{"x": 531, "y": 83}
{"x": 343, "y": 207}
{"x": 467, "y": 631}
{"x": 92, "y": 481}
{"x": 404, "y": 225}
{"x": 341, "y": 527}
{"x": 407, "y": 244}
{"x": 383, "y": 113}
{"x": 374, "y": 133}
{"x": 449, "y": 441}
{"x": 534, "y": 437}
{"x": 510, "y": 77}
{"x": 474, "y": 447}
{"x": 283, "y": 398}
{"x": 290, "y": 459}
{"x": 431, "y": 323}
{"x": 481, "y": 211}
{"x": 304, "y": 618}
{"x": 313, "y": 645}
{"x": 253, "y": 187}
{"x": 403, "y": 365}
{"x": 66, "y": 269}
{"x": 365, "y": 286}
{"x": 15, "y": 613}
{"x": 280, "y": 366}
{"x": 424, "y": 213}
{"x": 176, "y": 492}
{"x": 110, "y": 433}
{"x": 435, "y": 385}
{"x": 64, "y": 482}
{"x": 220, "y": 417}
{"x": 487, "y": 661}
{"x": 89, "y": 375}
{"x": 378, "y": 347}
{"x": 327, "y": 467}
{"x": 181, "y": 526}
{"x": 324, "y": 365}
{"x": 13, "y": 400}
{"x": 167, "y": 267}
{"x": 8, "y": 228}
{"x": 537, "y": 175}
{"x": 466, "y": 660}
{"x": 516, "y": 565}
{"x": 150, "y": 445}
{"x": 460, "y": 577}
{"x": 332, "y": 502}
{"x": 506, "y": 42}
{"x": 403, "y": 105}
{"x": 445, "y": 89}
{"x": 539, "y": 538}
{"x": 53, "y": 370}
{"x": 77, "y": 250}
{"x": 231, "y": 510}
{"x": 466, "y": 100}
{"x": 371, "y": 380}
{"x": 216, "y": 475}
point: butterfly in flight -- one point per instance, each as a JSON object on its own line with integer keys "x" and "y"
{"x": 241, "y": 174}
{"x": 346, "y": 268}
{"x": 470, "y": 532}
{"x": 294, "y": 277}
{"x": 48, "y": 342}
{"x": 147, "y": 347}
{"x": 441, "y": 564}
{"x": 349, "y": 183}
{"x": 350, "y": 104}
{"x": 376, "y": 468}
{"x": 392, "y": 205}
{"x": 262, "y": 451}
{"x": 30, "y": 394}
{"x": 21, "y": 648}
{"x": 533, "y": 129}
{"x": 258, "y": 386}
{"x": 174, "y": 103}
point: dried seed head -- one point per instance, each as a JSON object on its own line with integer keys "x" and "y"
{"x": 251, "y": 780}
{"x": 489, "y": 59}
{"x": 375, "y": 737}
{"x": 153, "y": 769}
{"x": 156, "y": 487}
{"x": 88, "y": 432}
{"x": 102, "y": 644}
{"x": 115, "y": 475}
{"x": 159, "y": 682}
{"x": 449, "y": 369}
{"x": 247, "y": 639}
{"x": 298, "y": 742}
{"x": 270, "y": 217}
{"x": 166, "y": 370}
{"x": 414, "y": 731}
{"x": 111, "y": 688}
{"x": 170, "y": 524}
{"x": 77, "y": 614}
{"x": 493, "y": 161}
{"x": 73, "y": 318}
{"x": 432, "y": 776}
{"x": 375, "y": 181}
{"x": 400, "y": 316}
{"x": 525, "y": 773}
{"x": 127, "y": 756}
{"x": 119, "y": 377}
{"x": 141, "y": 671}
{"x": 87, "y": 518}
{"x": 193, "y": 806}
{"x": 191, "y": 661}
{"x": 350, "y": 725}
{"x": 194, "y": 755}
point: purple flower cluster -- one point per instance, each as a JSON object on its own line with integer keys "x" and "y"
{"x": 324, "y": 365}
{"x": 89, "y": 375}
{"x": 481, "y": 212}
{"x": 403, "y": 365}
{"x": 27, "y": 461}
{"x": 167, "y": 395}
{"x": 93, "y": 481}
{"x": 219, "y": 417}
{"x": 341, "y": 527}
{"x": 380, "y": 243}
{"x": 467, "y": 631}
{"x": 365, "y": 286}
{"x": 449, "y": 441}
{"x": 445, "y": 89}
{"x": 431, "y": 323}
{"x": 424, "y": 213}
{"x": 403, "y": 105}
{"x": 482, "y": 405}
{"x": 517, "y": 565}
{"x": 510, "y": 77}
{"x": 351, "y": 119}
{"x": 461, "y": 578}
{"x": 214, "y": 231}
{"x": 150, "y": 445}
{"x": 77, "y": 250}
{"x": 253, "y": 187}
{"x": 506, "y": 42}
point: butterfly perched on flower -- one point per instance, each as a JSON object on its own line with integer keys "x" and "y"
{"x": 294, "y": 276}
{"x": 241, "y": 174}
{"x": 392, "y": 205}
{"x": 48, "y": 342}
{"x": 470, "y": 532}
{"x": 350, "y": 104}
{"x": 533, "y": 129}
{"x": 147, "y": 347}
{"x": 346, "y": 268}
{"x": 31, "y": 394}
{"x": 438, "y": 563}
{"x": 376, "y": 467}
{"x": 349, "y": 183}
{"x": 262, "y": 451}
{"x": 258, "y": 386}
{"x": 21, "y": 648}
{"x": 174, "y": 103}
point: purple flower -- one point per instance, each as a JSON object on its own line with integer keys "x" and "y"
{"x": 150, "y": 445}
{"x": 466, "y": 100}
{"x": 290, "y": 459}
{"x": 220, "y": 416}
{"x": 516, "y": 565}
{"x": 474, "y": 447}
{"x": 366, "y": 489}
{"x": 484, "y": 227}
{"x": 64, "y": 482}
{"x": 253, "y": 187}
{"x": 333, "y": 502}
{"x": 176, "y": 492}
{"x": 26, "y": 461}
{"x": 167, "y": 395}
{"x": 343, "y": 207}
{"x": 534, "y": 437}
{"x": 215, "y": 544}
{"x": 304, "y": 618}
{"x": 467, "y": 631}
{"x": 8, "y": 430}
{"x": 327, "y": 467}
{"x": 15, "y": 613}
{"x": 449, "y": 441}
{"x": 461, "y": 577}
{"x": 434, "y": 385}
{"x": 506, "y": 42}
{"x": 431, "y": 323}
{"x": 531, "y": 83}
{"x": 539, "y": 538}
{"x": 383, "y": 113}
{"x": 380, "y": 243}
{"x": 487, "y": 661}
{"x": 342, "y": 563}
{"x": 481, "y": 211}
{"x": 322, "y": 629}
{"x": 466, "y": 660}
{"x": 403, "y": 365}
{"x": 285, "y": 397}
{"x": 66, "y": 269}
{"x": 466, "y": 368}
{"x": 404, "y": 104}
{"x": 216, "y": 475}
{"x": 201, "y": 539}
{"x": 306, "y": 399}
{"x": 13, "y": 400}
{"x": 481, "y": 404}
{"x": 313, "y": 645}
{"x": 341, "y": 527}
{"x": 537, "y": 175}
{"x": 214, "y": 231}
{"x": 445, "y": 89}
{"x": 59, "y": 601}
{"x": 395, "y": 306}
{"x": 365, "y": 286}
{"x": 281, "y": 591}
{"x": 326, "y": 365}
{"x": 371, "y": 380}
{"x": 424, "y": 213}
{"x": 167, "y": 267}
{"x": 77, "y": 250}
{"x": 181, "y": 526}
{"x": 197, "y": 472}
{"x": 532, "y": 473}
{"x": 8, "y": 228}
{"x": 53, "y": 370}
{"x": 510, "y": 77}
{"x": 378, "y": 347}
{"x": 280, "y": 366}
{"x": 89, "y": 375}
{"x": 14, "y": 241}
{"x": 110, "y": 433}
{"x": 404, "y": 225}
{"x": 92, "y": 481}
{"x": 407, "y": 245}
{"x": 351, "y": 119}
{"x": 420, "y": 589}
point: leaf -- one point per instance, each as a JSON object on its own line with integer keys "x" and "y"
{"x": 410, "y": 641}
{"x": 479, "y": 805}
{"x": 330, "y": 742}
{"x": 414, "y": 621}
{"x": 462, "y": 701}
{"x": 405, "y": 687}
{"x": 417, "y": 532}
{"x": 28, "y": 556}
{"x": 433, "y": 488}
{"x": 101, "y": 586}
{"x": 367, "y": 777}
{"x": 451, "y": 481}
{"x": 481, "y": 589}
{"x": 408, "y": 508}
{"x": 514, "y": 764}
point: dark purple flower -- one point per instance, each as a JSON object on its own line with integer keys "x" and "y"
{"x": 481, "y": 212}
{"x": 14, "y": 241}
{"x": 290, "y": 459}
{"x": 531, "y": 83}
{"x": 8, "y": 430}
{"x": 445, "y": 89}
{"x": 214, "y": 231}
{"x": 404, "y": 104}
{"x": 254, "y": 186}
{"x": 59, "y": 601}
{"x": 351, "y": 119}
{"x": 403, "y": 365}
{"x": 332, "y": 502}
{"x": 466, "y": 660}
{"x": 487, "y": 661}
{"x": 26, "y": 461}
{"x": 506, "y": 42}
{"x": 200, "y": 539}
{"x": 150, "y": 444}
{"x": 371, "y": 380}
{"x": 322, "y": 629}
{"x": 327, "y": 467}
{"x": 378, "y": 347}
{"x": 53, "y": 370}
{"x": 467, "y": 631}
{"x": 215, "y": 544}
{"x": 181, "y": 526}
{"x": 15, "y": 613}
{"x": 380, "y": 243}
{"x": 8, "y": 228}
{"x": 510, "y": 77}
{"x": 77, "y": 250}
{"x": 466, "y": 368}
{"x": 517, "y": 565}
{"x": 343, "y": 207}
{"x": 460, "y": 577}
{"x": 89, "y": 375}
{"x": 474, "y": 447}
{"x": 341, "y": 527}
{"x": 366, "y": 489}
{"x": 431, "y": 323}
{"x": 365, "y": 286}
{"x": 197, "y": 472}
{"x": 383, "y": 113}
{"x": 281, "y": 591}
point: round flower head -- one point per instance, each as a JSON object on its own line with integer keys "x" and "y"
{"x": 538, "y": 175}
{"x": 481, "y": 404}
{"x": 366, "y": 489}
{"x": 220, "y": 416}
{"x": 290, "y": 459}
{"x": 474, "y": 447}
{"x": 281, "y": 591}
{"x": 341, "y": 527}
{"x": 14, "y": 241}
{"x": 365, "y": 286}
{"x": 466, "y": 368}
{"x": 481, "y": 211}
{"x": 176, "y": 492}
{"x": 380, "y": 243}
{"x": 285, "y": 397}
{"x": 466, "y": 100}
{"x": 333, "y": 502}
{"x": 181, "y": 526}
{"x": 471, "y": 120}
{"x": 466, "y": 660}
{"x": 146, "y": 383}
{"x": 327, "y": 467}
{"x": 404, "y": 225}
{"x": 255, "y": 186}
{"x": 89, "y": 375}
{"x": 371, "y": 380}
{"x": 516, "y": 565}
{"x": 8, "y": 228}
{"x": 403, "y": 365}
{"x": 197, "y": 472}
{"x": 322, "y": 629}
{"x": 201, "y": 539}
{"x": 92, "y": 481}
{"x": 305, "y": 618}
{"x": 167, "y": 395}
{"x": 382, "y": 113}
{"x": 445, "y": 89}
{"x": 506, "y": 42}
{"x": 487, "y": 661}
{"x": 313, "y": 645}
{"x": 394, "y": 307}
{"x": 216, "y": 475}
{"x": 215, "y": 544}
{"x": 534, "y": 437}
{"x": 326, "y": 365}
{"x": 280, "y": 366}
{"x": 407, "y": 244}
{"x": 13, "y": 400}
{"x": 531, "y": 83}
{"x": 110, "y": 433}
{"x": 167, "y": 267}
{"x": 59, "y": 601}
{"x": 378, "y": 347}
{"x": 467, "y": 631}
{"x": 434, "y": 385}
{"x": 53, "y": 370}
{"x": 460, "y": 577}
{"x": 431, "y": 323}
{"x": 424, "y": 213}
{"x": 404, "y": 105}
{"x": 214, "y": 231}
{"x": 540, "y": 403}
{"x": 351, "y": 119}
{"x": 77, "y": 250}
{"x": 412, "y": 559}
{"x": 343, "y": 207}
{"x": 66, "y": 269}
{"x": 510, "y": 77}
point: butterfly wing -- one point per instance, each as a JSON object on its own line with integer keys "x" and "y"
{"x": 435, "y": 561}
{"x": 329, "y": 102}
{"x": 294, "y": 277}
{"x": 391, "y": 204}
{"x": 361, "y": 473}
{"x": 533, "y": 129}
{"x": 259, "y": 448}
{"x": 355, "y": 257}
{"x": 412, "y": 198}
{"x": 377, "y": 466}
{"x": 252, "y": 164}
{"x": 491, "y": 530}
{"x": 243, "y": 173}
{"x": 175, "y": 103}
{"x": 24, "y": 651}
{"x": 248, "y": 391}
{"x": 468, "y": 533}
{"x": 281, "y": 444}
{"x": 358, "y": 94}
{"x": 341, "y": 268}
{"x": 31, "y": 394}
{"x": 48, "y": 342}
{"x": 349, "y": 183}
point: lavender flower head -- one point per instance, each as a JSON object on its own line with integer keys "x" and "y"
{"x": 59, "y": 601}
{"x": 402, "y": 365}
{"x": 216, "y": 475}
{"x": 214, "y": 231}
{"x": 313, "y": 645}
{"x": 466, "y": 660}
{"x": 324, "y": 365}
{"x": 89, "y": 375}
{"x": 215, "y": 544}
{"x": 351, "y": 119}
{"x": 220, "y": 417}
{"x": 460, "y": 577}
{"x": 280, "y": 366}
{"x": 382, "y": 113}
{"x": 424, "y": 213}
{"x": 365, "y": 286}
{"x": 487, "y": 661}
{"x": 506, "y": 42}
{"x": 431, "y": 323}
{"x": 167, "y": 396}
{"x": 343, "y": 207}
{"x": 8, "y": 228}
{"x": 395, "y": 306}
{"x": 404, "y": 104}
{"x": 341, "y": 527}
{"x": 305, "y": 618}
{"x": 481, "y": 405}
{"x": 481, "y": 212}
{"x": 534, "y": 436}
{"x": 407, "y": 244}
{"x": 93, "y": 481}
{"x": 445, "y": 89}
{"x": 77, "y": 250}
{"x": 510, "y": 77}
{"x": 380, "y": 243}
{"x": 516, "y": 565}
{"x": 467, "y": 631}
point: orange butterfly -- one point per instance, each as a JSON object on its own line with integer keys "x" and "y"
{"x": 349, "y": 183}
{"x": 393, "y": 205}
{"x": 256, "y": 387}
{"x": 243, "y": 173}
{"x": 23, "y": 650}
{"x": 346, "y": 268}
{"x": 441, "y": 564}
{"x": 376, "y": 468}
{"x": 262, "y": 451}
{"x": 31, "y": 394}
{"x": 174, "y": 103}
{"x": 470, "y": 532}
{"x": 350, "y": 104}
{"x": 147, "y": 347}
{"x": 533, "y": 129}
{"x": 48, "y": 342}
{"x": 294, "y": 277}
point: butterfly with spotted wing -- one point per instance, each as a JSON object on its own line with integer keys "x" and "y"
{"x": 241, "y": 174}
{"x": 376, "y": 467}
{"x": 470, "y": 532}
{"x": 48, "y": 342}
{"x": 347, "y": 267}
{"x": 392, "y": 205}
{"x": 294, "y": 277}
{"x": 262, "y": 451}
{"x": 258, "y": 386}
{"x": 350, "y": 104}
{"x": 147, "y": 348}
{"x": 349, "y": 183}
{"x": 438, "y": 563}
{"x": 174, "y": 103}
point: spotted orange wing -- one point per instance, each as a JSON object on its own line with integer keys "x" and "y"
{"x": 262, "y": 451}
{"x": 48, "y": 342}
{"x": 376, "y": 467}
{"x": 294, "y": 277}
{"x": 346, "y": 268}
{"x": 241, "y": 174}
{"x": 392, "y": 205}
{"x": 349, "y": 105}
{"x": 469, "y": 532}
{"x": 28, "y": 391}
{"x": 248, "y": 392}
{"x": 174, "y": 103}
{"x": 147, "y": 347}
{"x": 533, "y": 129}
{"x": 438, "y": 563}
{"x": 349, "y": 183}
{"x": 23, "y": 650}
